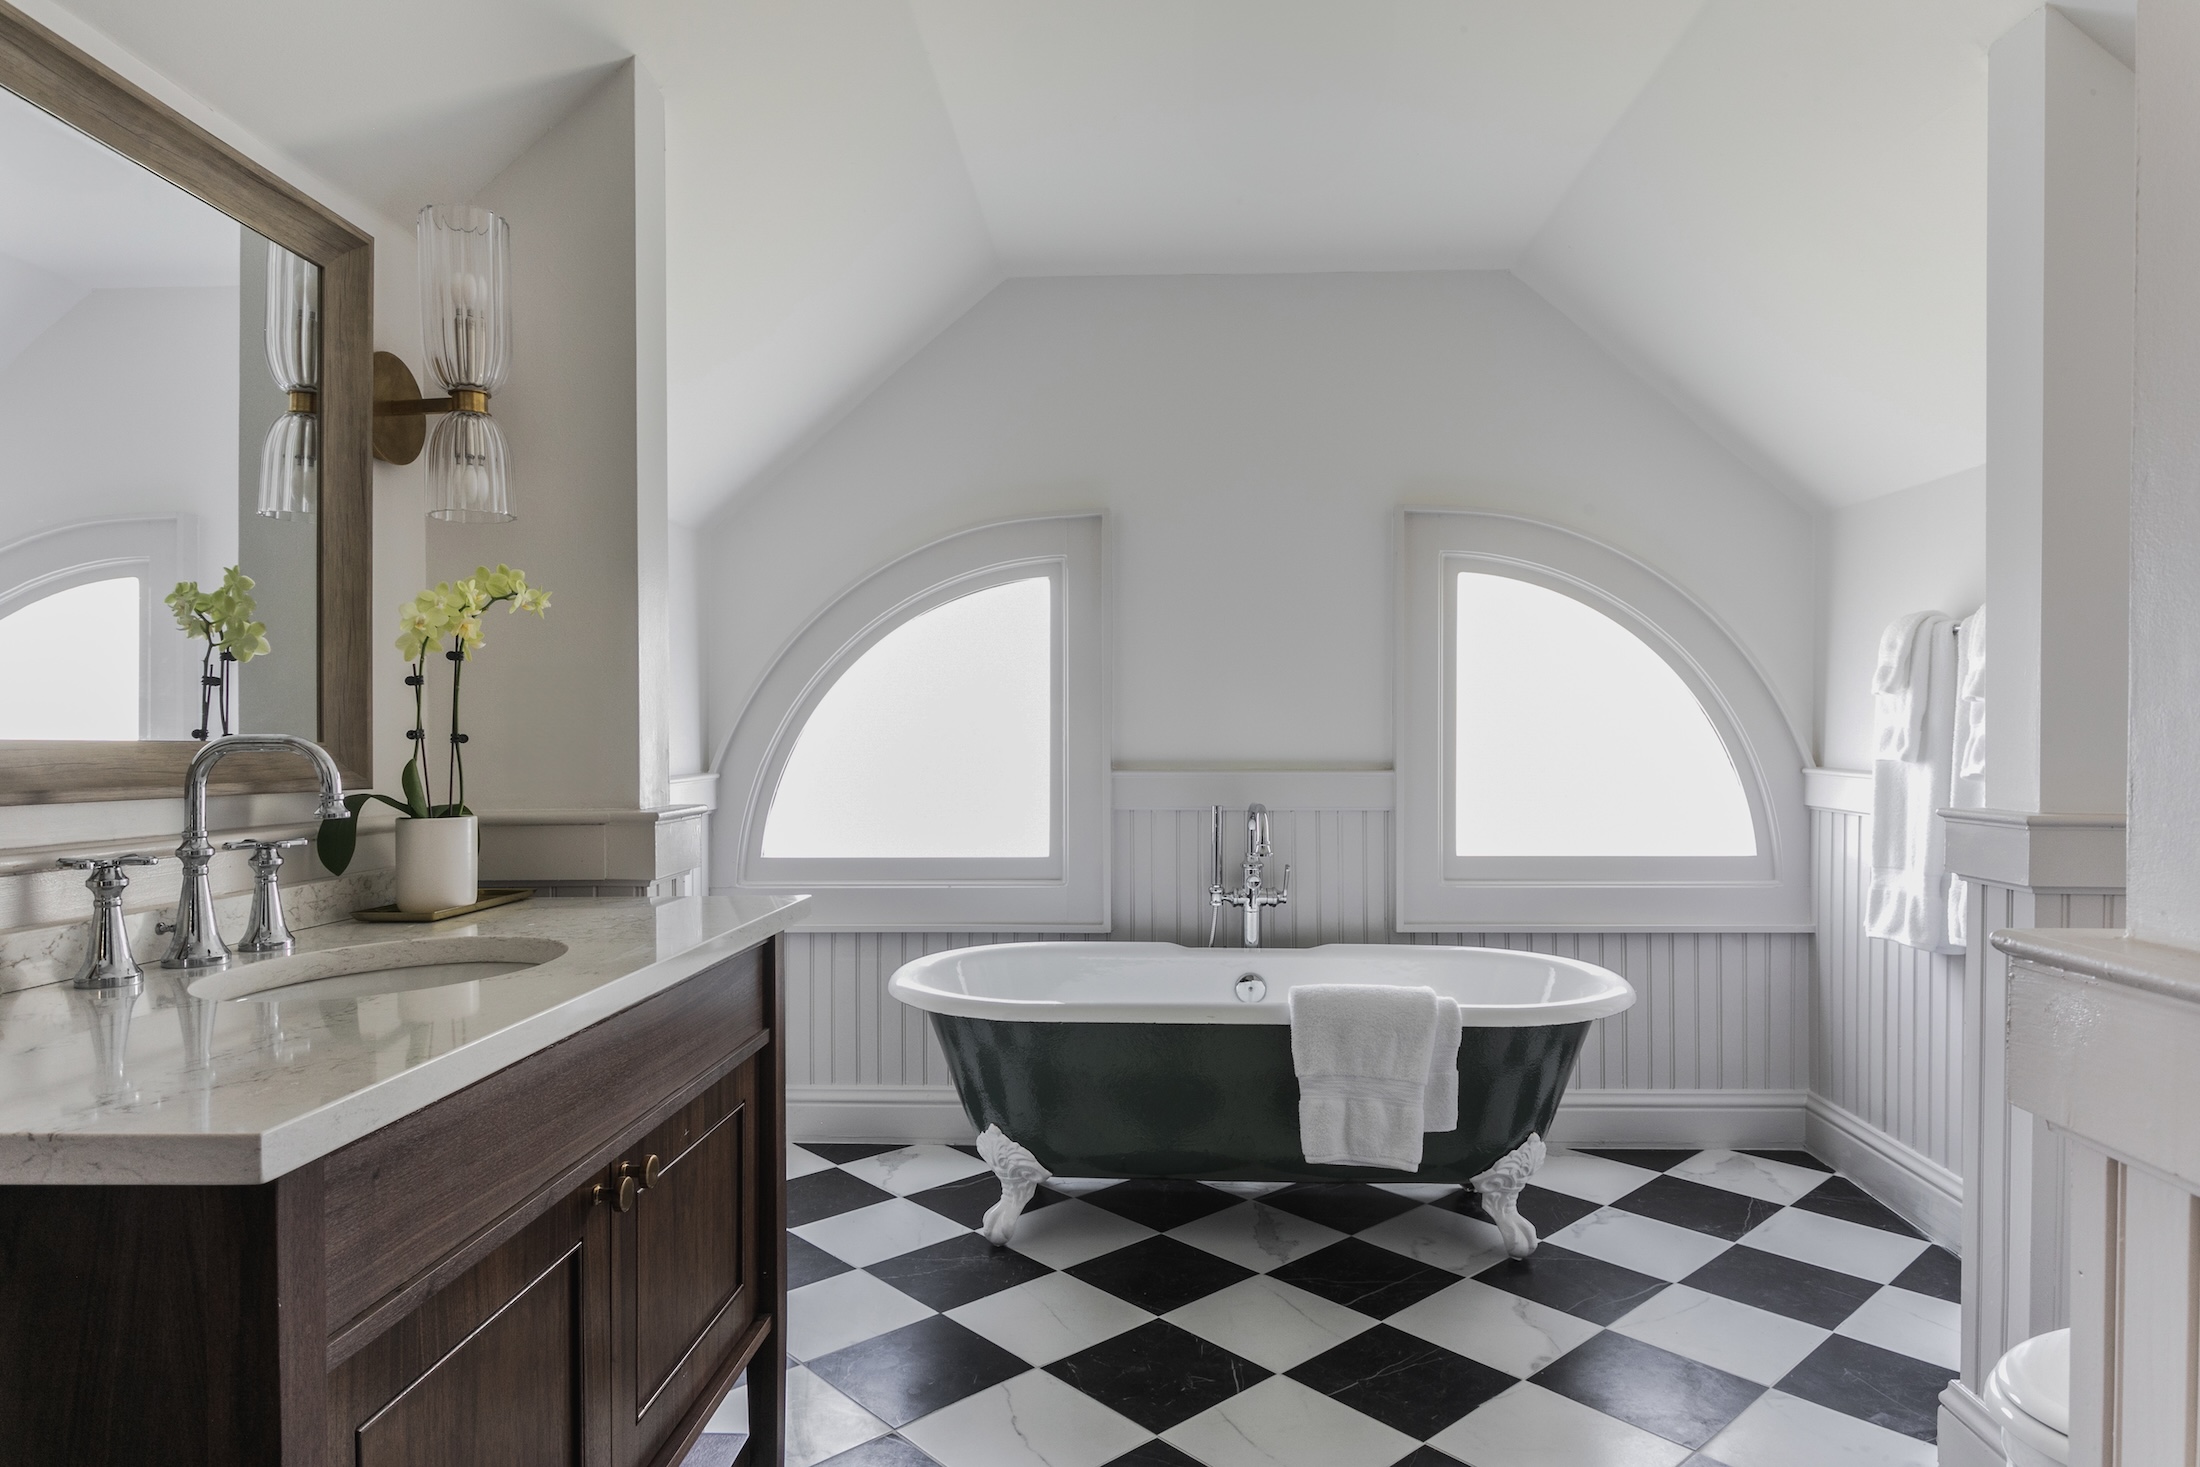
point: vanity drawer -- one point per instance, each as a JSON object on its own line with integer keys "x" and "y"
{"x": 410, "y": 1207}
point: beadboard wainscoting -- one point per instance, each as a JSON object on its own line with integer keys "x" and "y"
{"x": 1886, "y": 1070}
{"x": 1714, "y": 1052}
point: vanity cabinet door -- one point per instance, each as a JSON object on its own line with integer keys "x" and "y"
{"x": 685, "y": 1284}
{"x": 506, "y": 1364}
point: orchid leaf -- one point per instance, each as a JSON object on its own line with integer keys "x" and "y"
{"x": 416, "y": 793}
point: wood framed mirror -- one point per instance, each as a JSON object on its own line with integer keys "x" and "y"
{"x": 323, "y": 617}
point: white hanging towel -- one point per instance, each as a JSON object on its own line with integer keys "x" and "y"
{"x": 1913, "y": 726}
{"x": 1967, "y": 772}
{"x": 1362, "y": 1053}
{"x": 1440, "y": 1099}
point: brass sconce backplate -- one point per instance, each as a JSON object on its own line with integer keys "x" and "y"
{"x": 400, "y": 419}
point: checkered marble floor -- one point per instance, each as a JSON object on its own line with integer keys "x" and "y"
{"x": 1713, "y": 1308}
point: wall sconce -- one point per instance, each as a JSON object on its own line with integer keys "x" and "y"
{"x": 466, "y": 323}
{"x": 290, "y": 460}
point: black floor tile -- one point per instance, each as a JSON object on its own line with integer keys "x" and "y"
{"x": 1161, "y": 1205}
{"x": 1792, "y": 1158}
{"x": 1361, "y": 1276}
{"x": 715, "y": 1449}
{"x": 1657, "y": 1390}
{"x": 1159, "y": 1274}
{"x": 1405, "y": 1383}
{"x": 1158, "y": 1375}
{"x": 915, "y": 1370}
{"x": 1876, "y": 1385}
{"x": 885, "y": 1451}
{"x": 807, "y": 1263}
{"x": 968, "y": 1200}
{"x": 828, "y": 1194}
{"x": 1649, "y": 1158}
{"x": 840, "y": 1153}
{"x": 1701, "y": 1209}
{"x": 1937, "y": 1272}
{"x": 1428, "y": 1457}
{"x": 1786, "y": 1286}
{"x": 1587, "y": 1288}
{"x": 951, "y": 1273}
{"x": 1348, "y": 1207}
{"x": 1154, "y": 1454}
{"x": 1839, "y": 1197}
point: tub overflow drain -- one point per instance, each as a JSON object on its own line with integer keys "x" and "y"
{"x": 1251, "y": 989}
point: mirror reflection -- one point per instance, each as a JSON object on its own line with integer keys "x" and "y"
{"x": 158, "y": 372}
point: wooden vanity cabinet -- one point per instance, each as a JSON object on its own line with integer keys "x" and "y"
{"x": 568, "y": 1262}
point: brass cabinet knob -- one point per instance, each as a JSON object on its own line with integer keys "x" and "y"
{"x": 652, "y": 1169}
{"x": 622, "y": 1189}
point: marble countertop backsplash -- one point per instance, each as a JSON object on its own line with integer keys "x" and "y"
{"x": 168, "y": 1087}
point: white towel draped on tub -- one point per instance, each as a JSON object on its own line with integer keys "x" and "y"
{"x": 1913, "y": 727}
{"x": 1366, "y": 1057}
{"x": 1967, "y": 774}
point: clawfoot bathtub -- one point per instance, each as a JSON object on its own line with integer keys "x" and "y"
{"x": 1145, "y": 1059}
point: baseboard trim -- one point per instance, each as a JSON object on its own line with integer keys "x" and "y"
{"x": 1969, "y": 1435}
{"x": 1919, "y": 1189}
{"x": 1585, "y": 1117}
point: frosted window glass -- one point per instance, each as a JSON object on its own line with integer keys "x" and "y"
{"x": 937, "y": 742}
{"x": 70, "y": 664}
{"x": 1575, "y": 739}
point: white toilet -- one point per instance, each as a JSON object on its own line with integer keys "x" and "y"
{"x": 2030, "y": 1392}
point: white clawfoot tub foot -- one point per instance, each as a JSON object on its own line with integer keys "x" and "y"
{"x": 1020, "y": 1175}
{"x": 1500, "y": 1188}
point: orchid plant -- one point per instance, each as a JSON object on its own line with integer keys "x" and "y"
{"x": 223, "y": 619}
{"x": 445, "y": 618}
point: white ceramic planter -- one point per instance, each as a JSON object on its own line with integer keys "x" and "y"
{"x": 438, "y": 863}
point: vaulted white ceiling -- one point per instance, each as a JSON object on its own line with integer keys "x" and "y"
{"x": 1774, "y": 209}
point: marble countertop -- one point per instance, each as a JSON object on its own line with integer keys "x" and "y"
{"x": 167, "y": 1088}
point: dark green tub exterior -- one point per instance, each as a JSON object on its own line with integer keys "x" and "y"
{"x": 1219, "y": 1102}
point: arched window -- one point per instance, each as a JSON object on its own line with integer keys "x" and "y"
{"x": 81, "y": 646}
{"x": 930, "y": 752}
{"x": 1581, "y": 745}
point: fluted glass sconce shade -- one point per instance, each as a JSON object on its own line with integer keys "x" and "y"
{"x": 465, "y": 321}
{"x": 290, "y": 460}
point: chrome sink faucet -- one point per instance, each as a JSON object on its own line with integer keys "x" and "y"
{"x": 197, "y": 943}
{"x": 1253, "y": 895}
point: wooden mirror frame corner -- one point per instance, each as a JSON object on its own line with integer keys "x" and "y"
{"x": 57, "y": 78}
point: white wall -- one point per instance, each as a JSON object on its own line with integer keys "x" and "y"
{"x": 127, "y": 406}
{"x": 1916, "y": 550}
{"x": 1251, "y": 438}
{"x": 684, "y": 647}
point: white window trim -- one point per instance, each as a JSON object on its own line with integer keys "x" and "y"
{"x": 1440, "y": 892}
{"x": 154, "y": 549}
{"x": 1066, "y": 891}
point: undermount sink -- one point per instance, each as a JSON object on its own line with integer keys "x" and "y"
{"x": 374, "y": 968}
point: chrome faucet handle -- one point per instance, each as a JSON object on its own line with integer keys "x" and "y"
{"x": 108, "y": 964}
{"x": 267, "y": 932}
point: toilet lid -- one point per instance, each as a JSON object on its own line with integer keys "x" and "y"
{"x": 2035, "y": 1376}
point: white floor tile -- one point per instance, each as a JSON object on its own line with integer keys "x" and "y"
{"x": 1031, "y": 1421}
{"x": 732, "y": 1415}
{"x": 821, "y": 1422}
{"x": 1785, "y": 1431}
{"x": 1528, "y": 1426}
{"x": 1830, "y": 1242}
{"x": 881, "y": 1231}
{"x": 1736, "y": 1338}
{"x": 824, "y": 1316}
{"x": 1504, "y": 1331}
{"x": 1440, "y": 1238}
{"x": 1255, "y": 1235}
{"x": 1046, "y": 1319}
{"x": 1280, "y": 1423}
{"x": 1643, "y": 1244}
{"x": 1916, "y": 1325}
{"x": 1420, "y": 1191}
{"x": 1067, "y": 1233}
{"x": 1591, "y": 1178}
{"x": 801, "y": 1163}
{"x": 916, "y": 1168}
{"x": 1752, "y": 1176}
{"x": 1079, "y": 1186}
{"x": 1272, "y": 1324}
{"x": 1247, "y": 1190}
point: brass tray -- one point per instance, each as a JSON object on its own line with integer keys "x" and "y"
{"x": 491, "y": 896}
